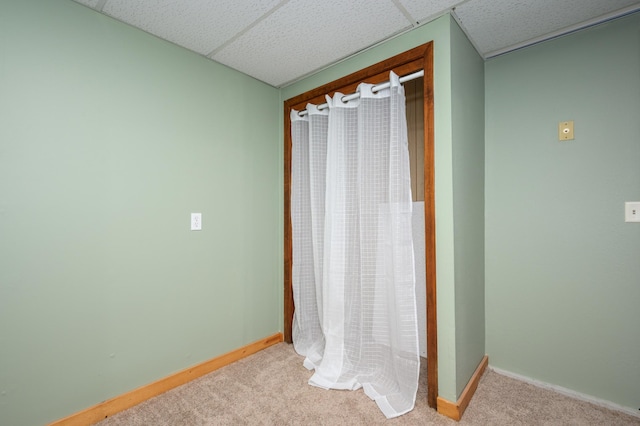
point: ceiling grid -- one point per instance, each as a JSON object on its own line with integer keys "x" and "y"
{"x": 270, "y": 40}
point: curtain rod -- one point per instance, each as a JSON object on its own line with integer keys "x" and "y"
{"x": 376, "y": 88}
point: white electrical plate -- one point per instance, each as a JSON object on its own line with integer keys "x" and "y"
{"x": 196, "y": 221}
{"x": 632, "y": 211}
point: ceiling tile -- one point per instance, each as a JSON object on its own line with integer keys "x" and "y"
{"x": 424, "y": 11}
{"x": 498, "y": 24}
{"x": 303, "y": 36}
{"x": 199, "y": 25}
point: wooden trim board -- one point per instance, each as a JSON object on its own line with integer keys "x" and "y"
{"x": 119, "y": 403}
{"x": 455, "y": 410}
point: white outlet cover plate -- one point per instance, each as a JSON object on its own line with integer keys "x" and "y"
{"x": 632, "y": 211}
{"x": 196, "y": 221}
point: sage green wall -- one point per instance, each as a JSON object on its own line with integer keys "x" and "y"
{"x": 467, "y": 88}
{"x": 562, "y": 266}
{"x": 448, "y": 83}
{"x": 109, "y": 139}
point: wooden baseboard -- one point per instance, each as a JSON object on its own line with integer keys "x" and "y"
{"x": 119, "y": 403}
{"x": 455, "y": 410}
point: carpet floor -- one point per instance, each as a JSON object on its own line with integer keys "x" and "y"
{"x": 270, "y": 388}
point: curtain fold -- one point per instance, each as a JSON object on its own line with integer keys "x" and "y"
{"x": 353, "y": 276}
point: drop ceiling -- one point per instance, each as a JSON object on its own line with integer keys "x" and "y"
{"x": 282, "y": 41}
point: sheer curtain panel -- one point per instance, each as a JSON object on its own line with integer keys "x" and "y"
{"x": 353, "y": 274}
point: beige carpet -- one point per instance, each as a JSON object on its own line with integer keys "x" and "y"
{"x": 270, "y": 388}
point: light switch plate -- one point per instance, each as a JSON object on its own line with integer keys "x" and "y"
{"x": 632, "y": 211}
{"x": 565, "y": 130}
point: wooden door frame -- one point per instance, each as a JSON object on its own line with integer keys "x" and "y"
{"x": 418, "y": 58}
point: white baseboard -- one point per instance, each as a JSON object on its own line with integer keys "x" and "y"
{"x": 568, "y": 392}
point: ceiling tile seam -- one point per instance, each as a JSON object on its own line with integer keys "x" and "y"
{"x": 413, "y": 21}
{"x": 454, "y": 15}
{"x": 426, "y": 19}
{"x": 460, "y": 3}
{"x": 246, "y": 29}
{"x": 629, "y": 10}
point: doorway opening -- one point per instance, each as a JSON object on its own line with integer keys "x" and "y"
{"x": 416, "y": 59}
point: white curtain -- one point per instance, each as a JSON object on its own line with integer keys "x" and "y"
{"x": 353, "y": 274}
